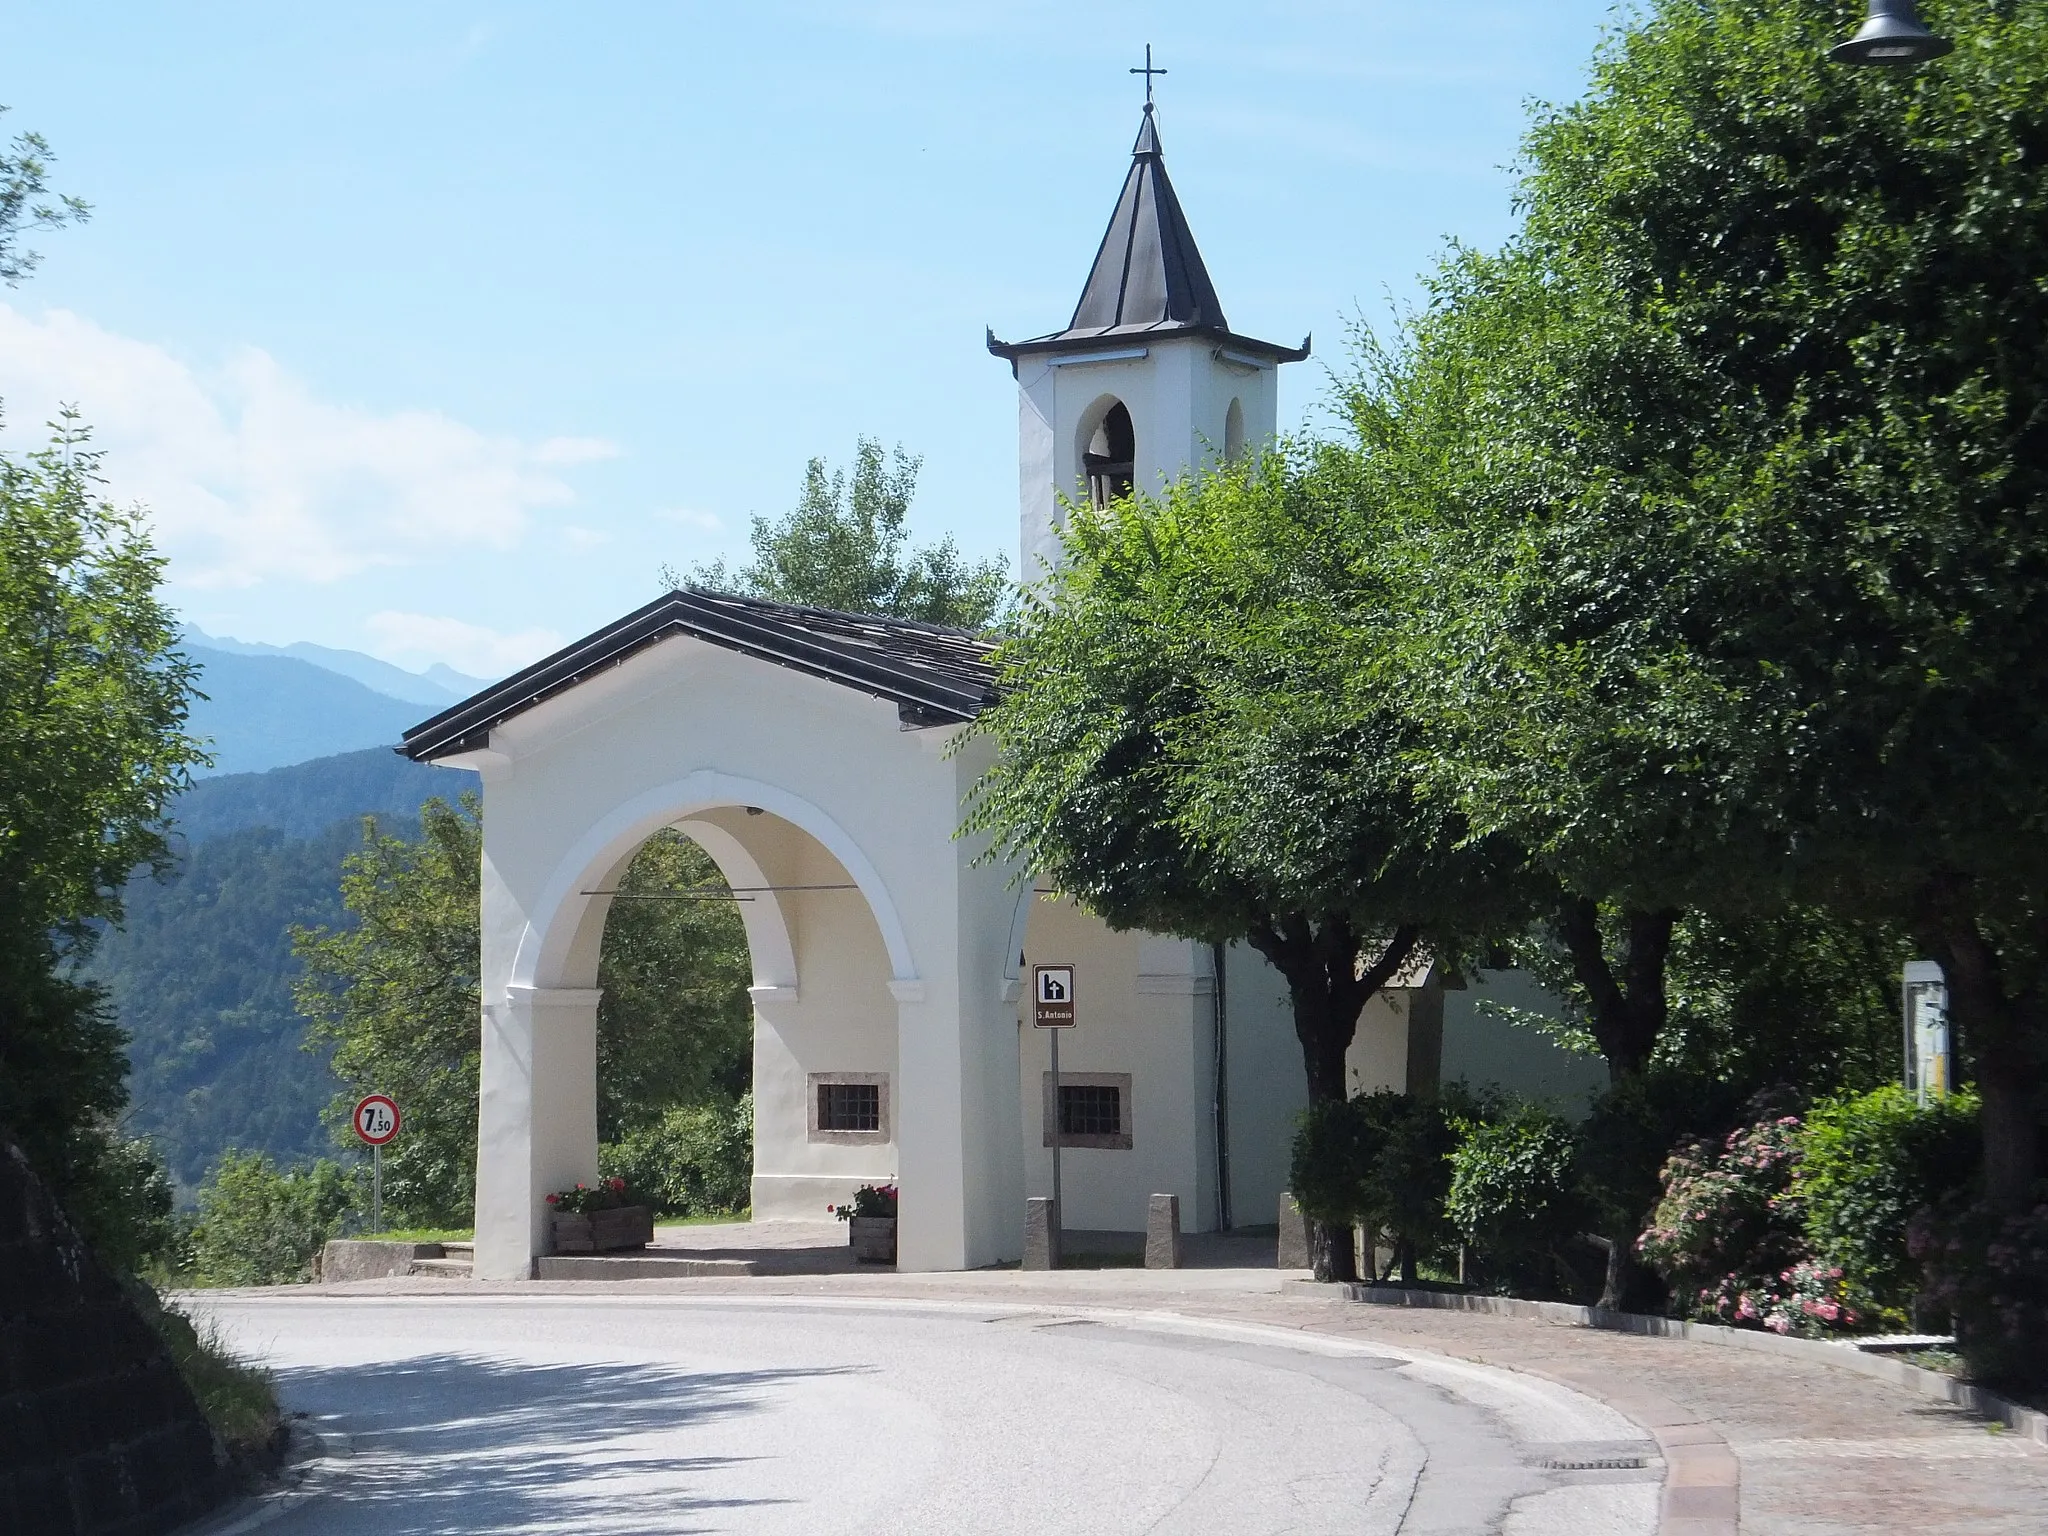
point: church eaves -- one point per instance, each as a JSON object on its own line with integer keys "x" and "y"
{"x": 1149, "y": 278}
{"x": 933, "y": 674}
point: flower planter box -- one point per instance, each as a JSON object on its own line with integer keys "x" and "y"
{"x": 873, "y": 1239}
{"x": 629, "y": 1226}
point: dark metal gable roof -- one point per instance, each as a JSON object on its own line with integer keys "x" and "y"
{"x": 933, "y": 674}
{"x": 1149, "y": 278}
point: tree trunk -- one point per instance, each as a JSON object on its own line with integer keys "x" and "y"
{"x": 2004, "y": 1034}
{"x": 1626, "y": 1013}
{"x": 1328, "y": 987}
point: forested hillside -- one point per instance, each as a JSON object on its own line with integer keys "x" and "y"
{"x": 308, "y": 798}
{"x": 201, "y": 973}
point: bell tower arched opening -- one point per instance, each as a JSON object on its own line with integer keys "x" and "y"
{"x": 1109, "y": 454}
{"x": 1233, "y": 432}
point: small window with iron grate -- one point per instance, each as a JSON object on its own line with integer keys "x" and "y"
{"x": 849, "y": 1106}
{"x": 1088, "y": 1109}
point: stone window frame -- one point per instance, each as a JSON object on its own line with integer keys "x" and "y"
{"x": 813, "y": 1081}
{"x": 1049, "y": 1117}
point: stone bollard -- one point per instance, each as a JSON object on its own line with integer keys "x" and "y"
{"x": 1162, "y": 1232}
{"x": 1041, "y": 1233}
{"x": 1293, "y": 1234}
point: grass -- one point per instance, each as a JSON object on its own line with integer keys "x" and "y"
{"x": 420, "y": 1235}
{"x": 238, "y": 1399}
{"x": 714, "y": 1219}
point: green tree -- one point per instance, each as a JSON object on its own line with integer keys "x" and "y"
{"x": 843, "y": 547}
{"x": 398, "y": 998}
{"x": 26, "y": 202}
{"x": 1182, "y": 749}
{"x": 675, "y": 1026}
{"x": 1764, "y": 549}
{"x": 93, "y": 699}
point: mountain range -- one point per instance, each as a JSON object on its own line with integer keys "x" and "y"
{"x": 268, "y": 706}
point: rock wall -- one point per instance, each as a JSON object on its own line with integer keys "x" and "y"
{"x": 99, "y": 1435}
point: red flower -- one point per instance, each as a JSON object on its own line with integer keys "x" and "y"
{"x": 554, "y": 1199}
{"x": 618, "y": 1183}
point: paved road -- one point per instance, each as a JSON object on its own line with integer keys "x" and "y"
{"x": 660, "y": 1414}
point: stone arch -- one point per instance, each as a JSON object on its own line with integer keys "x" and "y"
{"x": 559, "y": 949}
{"x": 1233, "y": 431}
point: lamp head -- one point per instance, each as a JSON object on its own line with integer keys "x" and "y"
{"x": 1893, "y": 34}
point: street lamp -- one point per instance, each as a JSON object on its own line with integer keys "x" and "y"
{"x": 1892, "y": 35}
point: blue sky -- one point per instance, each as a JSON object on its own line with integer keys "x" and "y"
{"x": 433, "y": 330}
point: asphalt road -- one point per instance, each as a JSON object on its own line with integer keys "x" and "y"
{"x": 666, "y": 1414}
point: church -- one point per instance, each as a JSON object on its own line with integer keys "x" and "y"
{"x": 817, "y": 758}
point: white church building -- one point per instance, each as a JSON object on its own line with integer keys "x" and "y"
{"x": 817, "y": 758}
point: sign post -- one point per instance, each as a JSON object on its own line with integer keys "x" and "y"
{"x": 1052, "y": 1008}
{"x": 376, "y": 1122}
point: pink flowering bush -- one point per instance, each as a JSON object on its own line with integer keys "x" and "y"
{"x": 1729, "y": 1238}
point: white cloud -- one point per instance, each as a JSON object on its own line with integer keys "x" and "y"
{"x": 579, "y": 538}
{"x": 248, "y": 476}
{"x": 419, "y": 639}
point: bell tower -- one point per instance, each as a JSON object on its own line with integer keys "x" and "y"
{"x": 1147, "y": 382}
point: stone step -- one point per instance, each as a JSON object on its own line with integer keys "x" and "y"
{"x": 449, "y": 1268}
{"x": 459, "y": 1250}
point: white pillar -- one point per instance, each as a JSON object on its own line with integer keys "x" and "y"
{"x": 537, "y": 1119}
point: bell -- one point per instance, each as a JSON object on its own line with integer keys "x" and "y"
{"x": 1892, "y": 35}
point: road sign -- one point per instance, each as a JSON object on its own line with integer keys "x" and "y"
{"x": 376, "y": 1119}
{"x": 1052, "y": 996}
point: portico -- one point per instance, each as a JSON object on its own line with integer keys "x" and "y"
{"x": 808, "y": 755}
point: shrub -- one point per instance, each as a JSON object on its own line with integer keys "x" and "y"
{"x": 1991, "y": 1272}
{"x": 695, "y": 1161}
{"x": 1868, "y": 1164}
{"x": 1380, "y": 1161}
{"x": 1729, "y": 1236}
{"x": 1514, "y": 1190}
{"x": 262, "y": 1225}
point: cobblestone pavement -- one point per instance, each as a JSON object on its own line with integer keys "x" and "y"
{"x": 1798, "y": 1448}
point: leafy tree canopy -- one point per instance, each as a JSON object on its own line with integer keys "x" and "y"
{"x": 398, "y": 997}
{"x": 93, "y": 698}
{"x": 846, "y": 546}
{"x": 1739, "y": 497}
{"x": 26, "y": 202}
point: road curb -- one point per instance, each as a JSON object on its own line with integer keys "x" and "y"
{"x": 315, "y": 1457}
{"x": 2028, "y": 1422}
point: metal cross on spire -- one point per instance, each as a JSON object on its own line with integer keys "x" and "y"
{"x": 1148, "y": 72}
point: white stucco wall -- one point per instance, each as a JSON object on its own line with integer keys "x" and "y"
{"x": 1483, "y": 1049}
{"x": 1145, "y": 1008}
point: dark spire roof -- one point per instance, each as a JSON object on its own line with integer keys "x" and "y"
{"x": 1148, "y": 271}
{"x": 1148, "y": 276}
